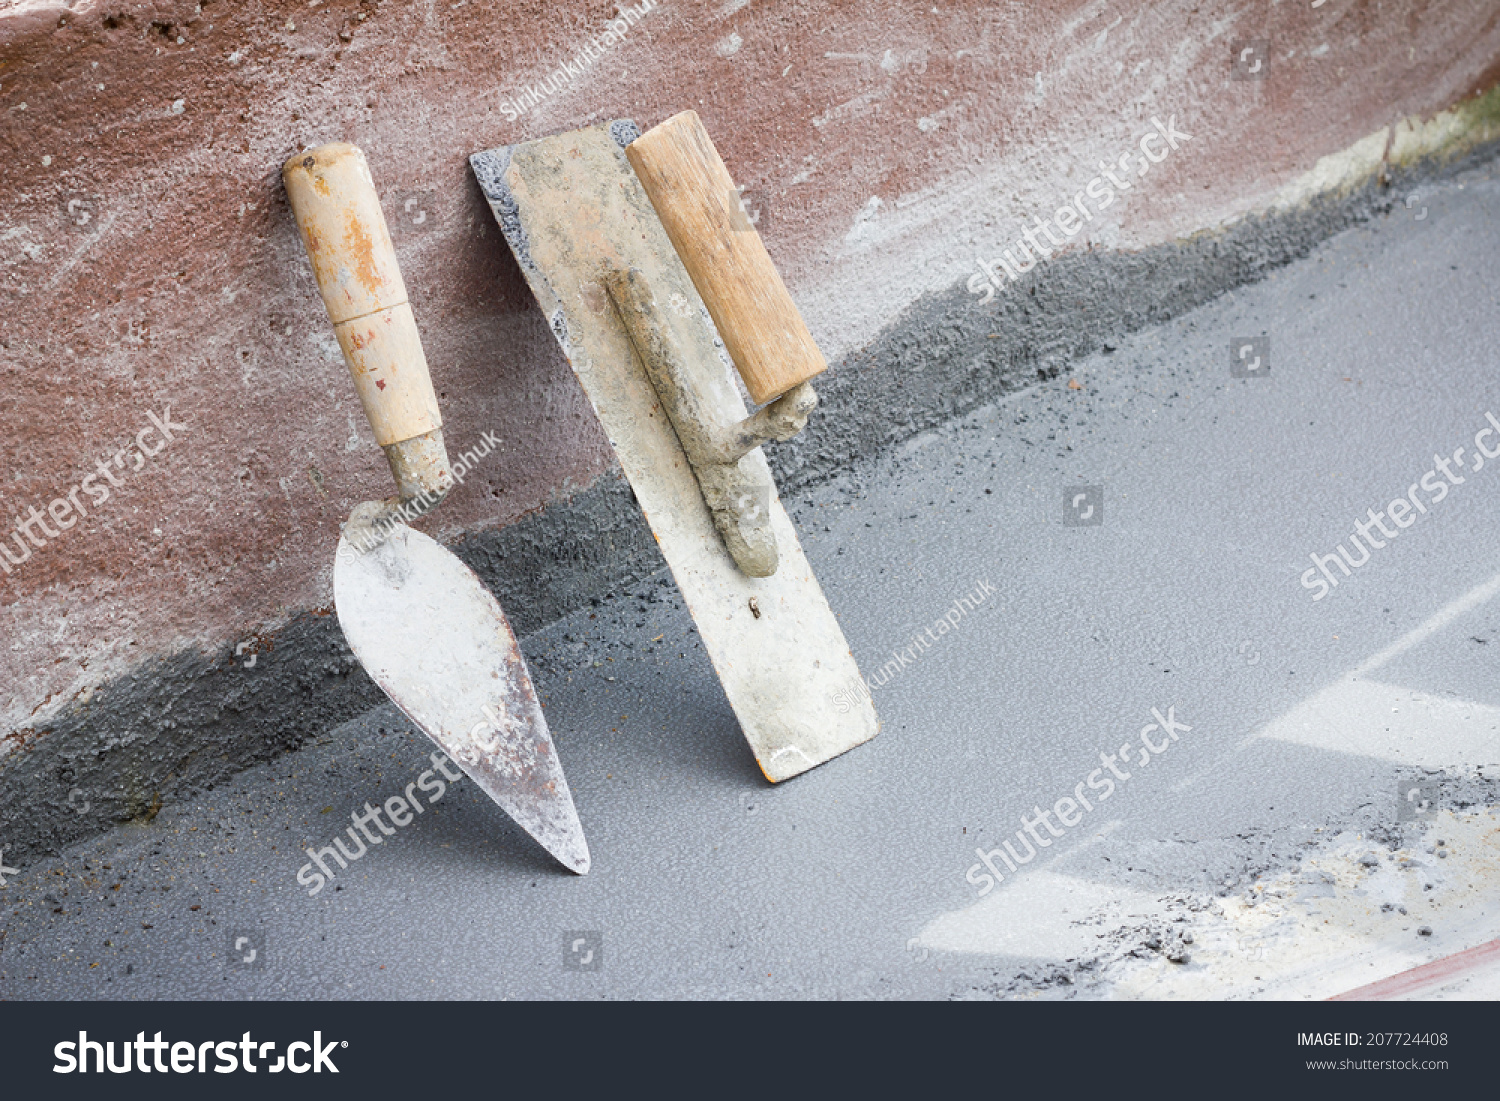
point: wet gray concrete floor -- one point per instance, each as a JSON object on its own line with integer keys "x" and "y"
{"x": 708, "y": 882}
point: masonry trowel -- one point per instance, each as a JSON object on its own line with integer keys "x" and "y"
{"x": 420, "y": 622}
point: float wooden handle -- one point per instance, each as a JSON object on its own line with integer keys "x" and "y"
{"x": 699, "y": 207}
{"x": 333, "y": 198}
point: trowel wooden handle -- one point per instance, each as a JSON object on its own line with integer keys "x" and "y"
{"x": 699, "y": 207}
{"x": 338, "y": 212}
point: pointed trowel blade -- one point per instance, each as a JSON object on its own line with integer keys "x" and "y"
{"x": 433, "y": 637}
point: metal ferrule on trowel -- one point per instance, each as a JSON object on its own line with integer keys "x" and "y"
{"x": 423, "y": 478}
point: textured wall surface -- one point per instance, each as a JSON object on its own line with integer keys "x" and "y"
{"x": 147, "y": 261}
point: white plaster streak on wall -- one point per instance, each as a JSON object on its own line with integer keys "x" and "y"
{"x": 105, "y": 225}
{"x": 24, "y": 247}
{"x": 17, "y": 8}
{"x": 1086, "y": 15}
{"x": 860, "y": 105}
{"x": 938, "y": 230}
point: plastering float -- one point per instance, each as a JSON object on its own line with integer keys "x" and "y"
{"x": 641, "y": 258}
